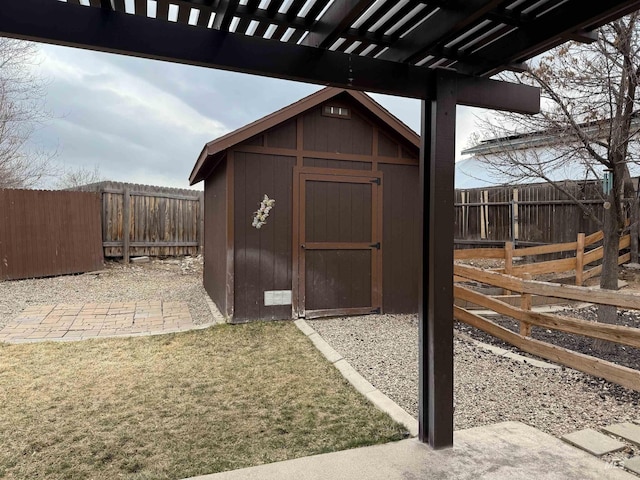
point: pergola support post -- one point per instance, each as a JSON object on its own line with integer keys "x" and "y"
{"x": 435, "y": 314}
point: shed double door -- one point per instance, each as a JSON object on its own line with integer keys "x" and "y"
{"x": 339, "y": 250}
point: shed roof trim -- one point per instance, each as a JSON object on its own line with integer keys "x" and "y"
{"x": 211, "y": 149}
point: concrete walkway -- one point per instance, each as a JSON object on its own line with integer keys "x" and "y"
{"x": 66, "y": 322}
{"x": 506, "y": 451}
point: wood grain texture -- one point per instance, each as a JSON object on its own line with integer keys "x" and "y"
{"x": 215, "y": 234}
{"x": 162, "y": 222}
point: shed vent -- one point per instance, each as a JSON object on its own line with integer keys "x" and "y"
{"x": 332, "y": 111}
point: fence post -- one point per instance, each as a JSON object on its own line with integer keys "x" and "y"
{"x": 634, "y": 230}
{"x": 201, "y": 224}
{"x": 525, "y": 304}
{"x": 580, "y": 260}
{"x": 126, "y": 223}
{"x": 508, "y": 262}
{"x": 515, "y": 216}
{"x": 484, "y": 214}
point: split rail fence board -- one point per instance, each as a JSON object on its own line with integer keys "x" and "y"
{"x": 576, "y": 262}
{"x": 537, "y": 213}
{"x": 547, "y": 289}
{"x": 624, "y": 376}
{"x": 46, "y": 233}
{"x": 614, "y": 333}
{"x": 161, "y": 221}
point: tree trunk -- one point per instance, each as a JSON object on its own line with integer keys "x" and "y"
{"x": 609, "y": 277}
{"x": 634, "y": 229}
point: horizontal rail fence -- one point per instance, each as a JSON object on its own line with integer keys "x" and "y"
{"x": 581, "y": 257}
{"x": 46, "y": 233}
{"x": 530, "y": 214}
{"x": 142, "y": 220}
{"x": 529, "y": 319}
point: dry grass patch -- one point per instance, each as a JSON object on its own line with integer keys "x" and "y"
{"x": 175, "y": 406}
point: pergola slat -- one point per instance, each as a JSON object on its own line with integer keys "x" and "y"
{"x": 224, "y": 14}
{"x": 119, "y": 5}
{"x": 294, "y": 9}
{"x": 395, "y": 18}
{"x": 184, "y": 13}
{"x": 335, "y": 20}
{"x": 162, "y": 10}
{"x": 372, "y": 19}
{"x": 315, "y": 10}
{"x": 446, "y": 24}
{"x": 203, "y": 17}
{"x": 251, "y": 7}
{"x": 543, "y": 33}
{"x": 141, "y": 7}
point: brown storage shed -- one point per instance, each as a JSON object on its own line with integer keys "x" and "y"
{"x": 343, "y": 235}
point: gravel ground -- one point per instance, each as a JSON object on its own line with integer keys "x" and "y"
{"x": 169, "y": 280}
{"x": 488, "y": 388}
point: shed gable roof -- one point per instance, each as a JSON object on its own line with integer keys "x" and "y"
{"x": 213, "y": 149}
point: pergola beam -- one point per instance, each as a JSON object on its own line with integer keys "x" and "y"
{"x": 500, "y": 95}
{"x": 117, "y": 32}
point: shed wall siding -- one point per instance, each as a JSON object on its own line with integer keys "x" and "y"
{"x": 215, "y": 232}
{"x": 283, "y": 136}
{"x": 330, "y": 134}
{"x": 263, "y": 259}
{"x": 386, "y": 146}
{"x": 400, "y": 239}
{"x": 336, "y": 164}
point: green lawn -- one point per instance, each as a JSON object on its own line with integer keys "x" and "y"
{"x": 174, "y": 406}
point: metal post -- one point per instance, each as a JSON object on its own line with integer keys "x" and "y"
{"x": 437, "y": 165}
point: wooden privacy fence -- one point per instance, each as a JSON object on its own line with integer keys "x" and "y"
{"x": 147, "y": 220}
{"x": 45, "y": 233}
{"x": 526, "y": 214}
{"x": 582, "y": 257}
{"x": 621, "y": 375}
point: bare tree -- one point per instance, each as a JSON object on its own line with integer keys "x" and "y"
{"x": 589, "y": 100}
{"x": 78, "y": 177}
{"x": 22, "y": 110}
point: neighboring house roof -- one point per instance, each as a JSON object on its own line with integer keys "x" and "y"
{"x": 212, "y": 150}
{"x": 542, "y": 147}
{"x": 473, "y": 172}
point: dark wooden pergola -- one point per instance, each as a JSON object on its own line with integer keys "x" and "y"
{"x": 440, "y": 51}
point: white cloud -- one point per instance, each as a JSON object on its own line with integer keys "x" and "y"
{"x": 131, "y": 95}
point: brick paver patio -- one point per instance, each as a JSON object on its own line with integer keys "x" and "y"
{"x": 67, "y": 322}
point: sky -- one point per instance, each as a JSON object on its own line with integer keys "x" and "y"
{"x": 146, "y": 121}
